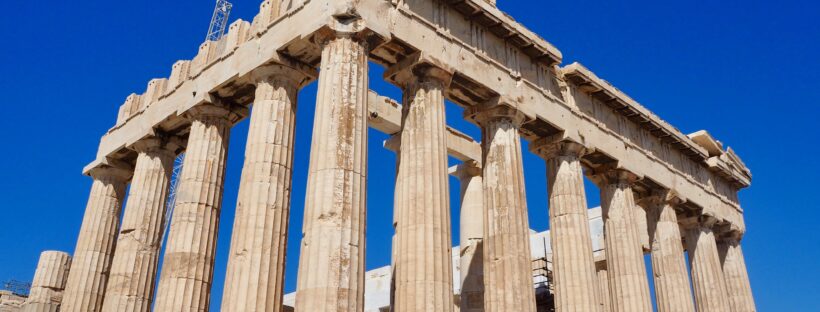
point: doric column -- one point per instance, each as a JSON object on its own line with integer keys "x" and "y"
{"x": 572, "y": 261}
{"x": 704, "y": 262}
{"x": 187, "y": 269}
{"x": 49, "y": 282}
{"x": 256, "y": 265}
{"x": 331, "y": 264}
{"x": 603, "y": 285}
{"x": 422, "y": 267}
{"x": 508, "y": 284}
{"x": 628, "y": 283}
{"x": 734, "y": 271}
{"x": 134, "y": 268}
{"x": 471, "y": 237}
{"x": 85, "y": 287}
{"x": 672, "y": 290}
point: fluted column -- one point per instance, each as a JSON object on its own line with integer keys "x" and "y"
{"x": 256, "y": 265}
{"x": 423, "y": 267}
{"x": 628, "y": 283}
{"x": 734, "y": 271}
{"x": 471, "y": 237}
{"x": 508, "y": 284}
{"x": 85, "y": 287}
{"x": 672, "y": 290}
{"x": 573, "y": 265}
{"x": 134, "y": 268}
{"x": 603, "y": 285}
{"x": 704, "y": 262}
{"x": 187, "y": 269}
{"x": 331, "y": 264}
{"x": 49, "y": 282}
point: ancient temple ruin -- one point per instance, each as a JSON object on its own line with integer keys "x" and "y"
{"x": 662, "y": 192}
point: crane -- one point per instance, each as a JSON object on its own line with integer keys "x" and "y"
{"x": 219, "y": 21}
{"x": 216, "y": 30}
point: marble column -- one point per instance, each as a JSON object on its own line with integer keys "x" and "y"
{"x": 704, "y": 262}
{"x": 423, "y": 265}
{"x": 573, "y": 265}
{"x": 628, "y": 283}
{"x": 49, "y": 282}
{"x": 734, "y": 271}
{"x": 508, "y": 283}
{"x": 188, "y": 262}
{"x": 471, "y": 236}
{"x": 256, "y": 265}
{"x": 85, "y": 287}
{"x": 331, "y": 264}
{"x": 672, "y": 290}
{"x": 134, "y": 268}
{"x": 603, "y": 285}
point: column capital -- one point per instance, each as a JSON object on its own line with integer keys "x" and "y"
{"x": 497, "y": 110}
{"x": 611, "y": 175}
{"x": 466, "y": 170}
{"x": 557, "y": 145}
{"x": 215, "y": 111}
{"x": 419, "y": 67}
{"x": 158, "y": 143}
{"x": 393, "y": 143}
{"x": 109, "y": 172}
{"x": 295, "y": 74}
{"x": 662, "y": 196}
{"x": 699, "y": 222}
{"x": 729, "y": 233}
{"x": 348, "y": 24}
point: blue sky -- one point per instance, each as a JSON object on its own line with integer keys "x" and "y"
{"x": 747, "y": 71}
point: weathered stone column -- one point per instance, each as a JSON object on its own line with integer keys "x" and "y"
{"x": 256, "y": 265}
{"x": 508, "y": 284}
{"x": 704, "y": 262}
{"x": 734, "y": 271}
{"x": 471, "y": 237}
{"x": 331, "y": 264}
{"x": 49, "y": 282}
{"x": 85, "y": 287}
{"x": 628, "y": 284}
{"x": 573, "y": 265}
{"x": 134, "y": 268}
{"x": 672, "y": 290}
{"x": 422, "y": 267}
{"x": 187, "y": 269}
{"x": 603, "y": 285}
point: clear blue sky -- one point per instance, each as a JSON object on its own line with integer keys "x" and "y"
{"x": 747, "y": 71}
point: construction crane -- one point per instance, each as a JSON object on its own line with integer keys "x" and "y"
{"x": 216, "y": 30}
{"x": 172, "y": 194}
{"x": 219, "y": 21}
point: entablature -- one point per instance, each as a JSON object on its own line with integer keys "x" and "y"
{"x": 396, "y": 32}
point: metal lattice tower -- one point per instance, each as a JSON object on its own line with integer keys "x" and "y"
{"x": 216, "y": 30}
{"x": 220, "y": 20}
{"x": 172, "y": 194}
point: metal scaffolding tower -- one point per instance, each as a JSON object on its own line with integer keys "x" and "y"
{"x": 172, "y": 194}
{"x": 216, "y": 30}
{"x": 219, "y": 21}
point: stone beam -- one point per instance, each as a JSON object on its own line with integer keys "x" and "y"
{"x": 385, "y": 116}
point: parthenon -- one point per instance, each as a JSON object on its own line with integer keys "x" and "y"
{"x": 670, "y": 195}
